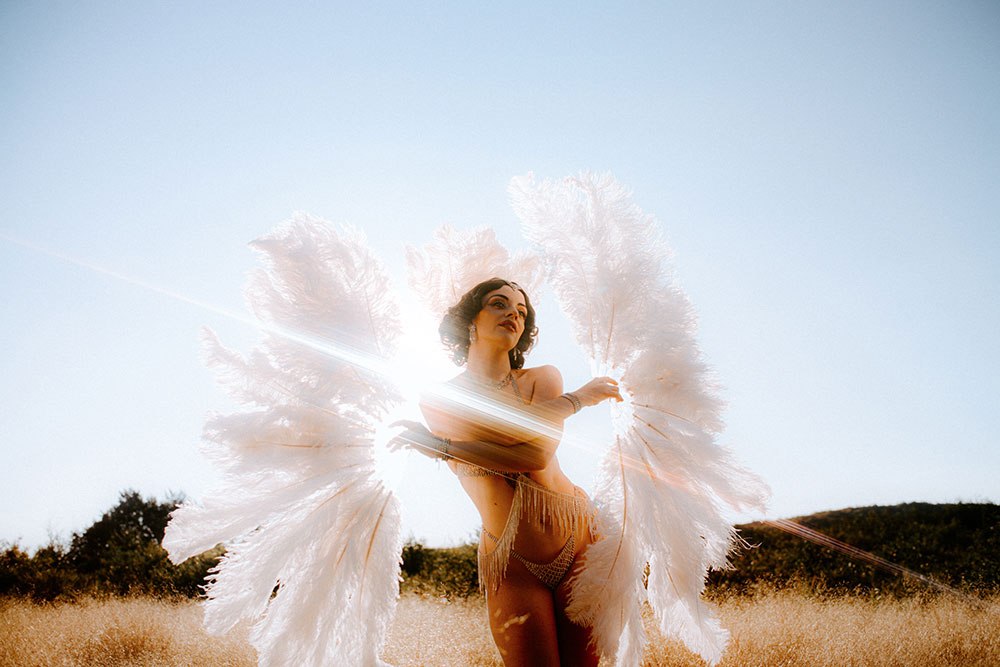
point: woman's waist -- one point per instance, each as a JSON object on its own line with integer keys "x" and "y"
{"x": 494, "y": 488}
{"x": 538, "y": 533}
{"x": 531, "y": 507}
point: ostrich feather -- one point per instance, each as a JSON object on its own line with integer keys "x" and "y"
{"x": 664, "y": 480}
{"x": 454, "y": 262}
{"x": 609, "y": 599}
{"x": 300, "y": 505}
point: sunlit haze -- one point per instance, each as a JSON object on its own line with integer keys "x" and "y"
{"x": 825, "y": 173}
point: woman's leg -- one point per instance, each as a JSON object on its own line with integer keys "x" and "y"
{"x": 574, "y": 640}
{"x": 523, "y": 622}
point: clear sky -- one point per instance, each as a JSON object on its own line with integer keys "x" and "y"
{"x": 826, "y": 172}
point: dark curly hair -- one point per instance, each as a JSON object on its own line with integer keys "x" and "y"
{"x": 454, "y": 327}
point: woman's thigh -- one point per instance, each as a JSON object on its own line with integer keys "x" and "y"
{"x": 523, "y": 620}
{"x": 574, "y": 640}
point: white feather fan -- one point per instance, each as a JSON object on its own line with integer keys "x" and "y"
{"x": 664, "y": 478}
{"x": 301, "y": 507}
{"x": 312, "y": 534}
{"x": 441, "y": 271}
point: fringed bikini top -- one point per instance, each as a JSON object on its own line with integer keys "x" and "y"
{"x": 562, "y": 511}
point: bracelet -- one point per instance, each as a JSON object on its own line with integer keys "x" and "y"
{"x": 445, "y": 444}
{"x": 574, "y": 400}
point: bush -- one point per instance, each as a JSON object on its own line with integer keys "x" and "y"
{"x": 451, "y": 572}
{"x": 119, "y": 554}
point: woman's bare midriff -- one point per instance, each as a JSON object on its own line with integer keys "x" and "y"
{"x": 493, "y": 495}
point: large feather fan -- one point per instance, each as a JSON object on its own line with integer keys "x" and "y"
{"x": 312, "y": 534}
{"x": 441, "y": 271}
{"x": 664, "y": 478}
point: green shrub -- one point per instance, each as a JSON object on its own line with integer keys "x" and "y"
{"x": 449, "y": 572}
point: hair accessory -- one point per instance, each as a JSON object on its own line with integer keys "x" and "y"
{"x": 511, "y": 284}
{"x": 574, "y": 400}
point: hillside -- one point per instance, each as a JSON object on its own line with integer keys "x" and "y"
{"x": 955, "y": 544}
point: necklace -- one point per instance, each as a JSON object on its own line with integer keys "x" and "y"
{"x": 503, "y": 383}
{"x": 494, "y": 385}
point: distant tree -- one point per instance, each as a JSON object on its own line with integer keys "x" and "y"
{"x": 121, "y": 551}
{"x": 133, "y": 520}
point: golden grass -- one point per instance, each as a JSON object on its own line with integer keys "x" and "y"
{"x": 115, "y": 632}
{"x": 435, "y": 631}
{"x": 772, "y": 629}
{"x": 792, "y": 630}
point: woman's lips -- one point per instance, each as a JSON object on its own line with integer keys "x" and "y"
{"x": 509, "y": 326}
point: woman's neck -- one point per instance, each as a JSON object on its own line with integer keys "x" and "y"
{"x": 487, "y": 365}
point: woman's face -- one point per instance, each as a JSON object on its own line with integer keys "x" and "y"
{"x": 501, "y": 318}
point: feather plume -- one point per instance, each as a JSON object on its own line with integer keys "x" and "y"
{"x": 300, "y": 506}
{"x": 665, "y": 479}
{"x": 454, "y": 262}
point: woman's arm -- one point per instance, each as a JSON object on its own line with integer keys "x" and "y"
{"x": 522, "y": 457}
{"x": 498, "y": 419}
{"x": 505, "y": 436}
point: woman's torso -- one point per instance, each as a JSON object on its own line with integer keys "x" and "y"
{"x": 493, "y": 492}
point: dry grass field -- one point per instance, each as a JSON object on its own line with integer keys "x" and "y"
{"x": 772, "y": 629}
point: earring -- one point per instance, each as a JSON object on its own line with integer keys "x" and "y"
{"x": 472, "y": 334}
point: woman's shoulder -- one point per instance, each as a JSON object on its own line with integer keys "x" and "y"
{"x": 545, "y": 382}
{"x": 547, "y": 372}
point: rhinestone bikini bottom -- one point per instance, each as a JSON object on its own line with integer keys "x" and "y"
{"x": 552, "y": 573}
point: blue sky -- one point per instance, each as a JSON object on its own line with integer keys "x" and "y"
{"x": 826, "y": 173}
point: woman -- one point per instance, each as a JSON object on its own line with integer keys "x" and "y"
{"x": 499, "y": 424}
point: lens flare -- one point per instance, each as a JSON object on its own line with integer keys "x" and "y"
{"x": 412, "y": 376}
{"x": 817, "y": 537}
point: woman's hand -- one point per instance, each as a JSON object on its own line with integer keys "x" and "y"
{"x": 419, "y": 437}
{"x": 597, "y": 390}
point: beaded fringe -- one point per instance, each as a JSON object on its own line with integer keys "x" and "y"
{"x": 493, "y": 565}
{"x": 549, "y": 508}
